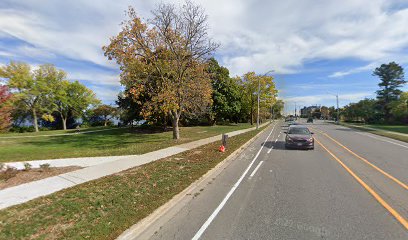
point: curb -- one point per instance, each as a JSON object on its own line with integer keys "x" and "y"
{"x": 140, "y": 227}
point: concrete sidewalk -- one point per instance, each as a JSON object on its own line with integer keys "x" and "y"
{"x": 25, "y": 192}
{"x": 66, "y": 162}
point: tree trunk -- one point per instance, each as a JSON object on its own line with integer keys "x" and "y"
{"x": 165, "y": 122}
{"x": 106, "y": 123}
{"x": 64, "y": 123}
{"x": 175, "y": 121}
{"x": 35, "y": 120}
{"x": 252, "y": 116}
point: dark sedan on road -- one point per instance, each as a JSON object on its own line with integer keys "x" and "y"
{"x": 299, "y": 136}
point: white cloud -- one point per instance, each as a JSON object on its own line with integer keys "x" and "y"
{"x": 5, "y": 54}
{"x": 33, "y": 52}
{"x": 106, "y": 94}
{"x": 367, "y": 67}
{"x": 255, "y": 35}
{"x": 80, "y": 42}
{"x": 326, "y": 99}
{"x": 283, "y": 35}
{"x": 95, "y": 78}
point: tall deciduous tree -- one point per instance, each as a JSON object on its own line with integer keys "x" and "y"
{"x": 5, "y": 108}
{"x": 278, "y": 108}
{"x": 363, "y": 110}
{"x": 226, "y": 93}
{"x": 106, "y": 112}
{"x": 71, "y": 99}
{"x": 129, "y": 109}
{"x": 164, "y": 58}
{"x": 392, "y": 78}
{"x": 267, "y": 92}
{"x": 32, "y": 88}
{"x": 399, "y": 108}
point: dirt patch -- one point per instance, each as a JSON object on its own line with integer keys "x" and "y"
{"x": 34, "y": 175}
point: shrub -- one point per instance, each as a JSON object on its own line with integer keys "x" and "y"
{"x": 22, "y": 129}
{"x": 27, "y": 166}
{"x": 45, "y": 166}
{"x": 8, "y": 173}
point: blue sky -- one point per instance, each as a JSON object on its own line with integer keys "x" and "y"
{"x": 316, "y": 47}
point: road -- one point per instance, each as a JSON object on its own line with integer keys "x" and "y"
{"x": 352, "y": 186}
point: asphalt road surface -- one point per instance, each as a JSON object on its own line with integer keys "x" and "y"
{"x": 353, "y": 185}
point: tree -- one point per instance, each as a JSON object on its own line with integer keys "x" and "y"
{"x": 164, "y": 58}
{"x": 278, "y": 108}
{"x": 324, "y": 112}
{"x": 392, "y": 78}
{"x": 106, "y": 112}
{"x": 71, "y": 99}
{"x": 362, "y": 111}
{"x": 399, "y": 108}
{"x": 32, "y": 88}
{"x": 250, "y": 91}
{"x": 332, "y": 112}
{"x": 5, "y": 109}
{"x": 226, "y": 93}
{"x": 129, "y": 108}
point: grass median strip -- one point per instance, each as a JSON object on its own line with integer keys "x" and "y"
{"x": 104, "y": 208}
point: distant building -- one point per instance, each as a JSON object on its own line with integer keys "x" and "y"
{"x": 308, "y": 111}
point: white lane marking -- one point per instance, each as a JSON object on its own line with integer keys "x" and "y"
{"x": 218, "y": 209}
{"x": 404, "y": 146}
{"x": 256, "y": 169}
{"x": 269, "y": 151}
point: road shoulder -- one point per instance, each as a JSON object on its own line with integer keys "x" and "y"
{"x": 147, "y": 227}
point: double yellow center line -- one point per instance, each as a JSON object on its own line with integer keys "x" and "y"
{"x": 397, "y": 216}
{"x": 368, "y": 162}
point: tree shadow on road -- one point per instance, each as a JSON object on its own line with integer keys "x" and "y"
{"x": 279, "y": 145}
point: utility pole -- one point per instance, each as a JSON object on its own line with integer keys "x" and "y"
{"x": 259, "y": 92}
{"x": 272, "y": 113}
{"x": 295, "y": 111}
{"x": 338, "y": 108}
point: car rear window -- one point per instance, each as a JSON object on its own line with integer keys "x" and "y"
{"x": 299, "y": 131}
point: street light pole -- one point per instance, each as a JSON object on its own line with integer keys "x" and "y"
{"x": 295, "y": 111}
{"x": 259, "y": 92}
{"x": 338, "y": 109}
{"x": 272, "y": 113}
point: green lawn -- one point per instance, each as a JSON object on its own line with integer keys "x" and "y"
{"x": 392, "y": 128}
{"x": 53, "y": 132}
{"x": 118, "y": 141}
{"x": 383, "y": 130}
{"x": 104, "y": 208}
